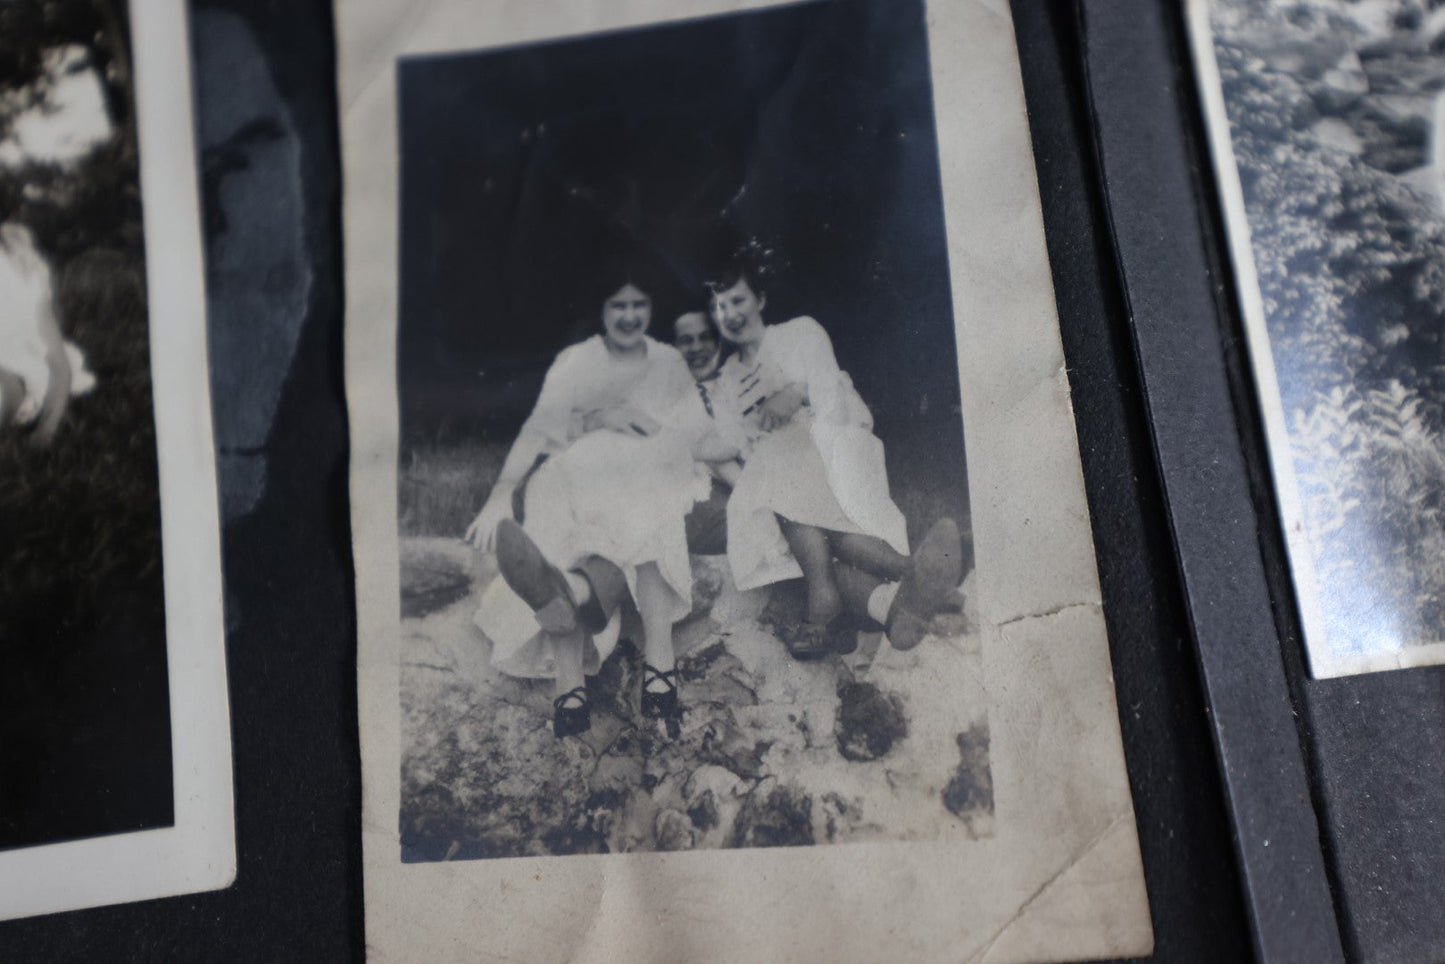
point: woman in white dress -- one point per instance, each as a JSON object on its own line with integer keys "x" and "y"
{"x": 605, "y": 464}
{"x": 813, "y": 497}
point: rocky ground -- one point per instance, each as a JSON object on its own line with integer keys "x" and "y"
{"x": 878, "y": 744}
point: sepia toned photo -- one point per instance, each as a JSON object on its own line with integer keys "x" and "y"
{"x": 1328, "y": 125}
{"x": 101, "y": 795}
{"x": 664, "y": 400}
{"x": 724, "y": 577}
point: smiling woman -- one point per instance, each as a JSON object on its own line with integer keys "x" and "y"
{"x": 601, "y": 477}
{"x": 626, "y": 315}
{"x": 813, "y": 498}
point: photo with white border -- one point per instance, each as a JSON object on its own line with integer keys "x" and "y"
{"x": 1054, "y": 873}
{"x": 114, "y": 484}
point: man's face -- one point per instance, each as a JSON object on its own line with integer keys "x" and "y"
{"x": 697, "y": 340}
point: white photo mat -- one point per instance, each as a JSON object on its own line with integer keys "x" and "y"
{"x": 198, "y": 852}
{"x": 1061, "y": 878}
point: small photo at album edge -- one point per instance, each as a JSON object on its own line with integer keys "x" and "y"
{"x": 115, "y": 776}
{"x": 1327, "y": 125}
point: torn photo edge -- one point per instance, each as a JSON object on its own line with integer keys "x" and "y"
{"x": 198, "y": 852}
{"x": 1062, "y": 877}
{"x": 1324, "y": 661}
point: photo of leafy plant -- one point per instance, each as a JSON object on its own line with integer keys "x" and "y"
{"x": 1335, "y": 115}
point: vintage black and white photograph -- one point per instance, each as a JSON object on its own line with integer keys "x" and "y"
{"x": 81, "y": 600}
{"x": 725, "y": 581}
{"x": 1328, "y": 120}
{"x": 87, "y": 725}
{"x": 682, "y": 498}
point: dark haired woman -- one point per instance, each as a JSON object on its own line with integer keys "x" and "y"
{"x": 813, "y": 492}
{"x": 615, "y": 432}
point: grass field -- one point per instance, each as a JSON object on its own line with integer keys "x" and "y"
{"x": 441, "y": 486}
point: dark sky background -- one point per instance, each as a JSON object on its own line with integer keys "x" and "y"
{"x": 807, "y": 132}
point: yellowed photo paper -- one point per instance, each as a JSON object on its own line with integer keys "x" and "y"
{"x": 725, "y": 581}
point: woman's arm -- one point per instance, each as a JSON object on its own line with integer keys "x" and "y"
{"x": 712, "y": 448}
{"x": 624, "y": 419}
{"x": 805, "y": 355}
{"x": 809, "y": 359}
{"x": 545, "y": 431}
{"x": 782, "y": 405}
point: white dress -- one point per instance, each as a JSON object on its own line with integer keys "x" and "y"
{"x": 825, "y": 468}
{"x": 24, "y": 304}
{"x": 620, "y": 497}
{"x": 25, "y": 312}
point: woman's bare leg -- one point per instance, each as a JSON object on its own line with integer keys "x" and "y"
{"x": 599, "y": 587}
{"x": 659, "y": 677}
{"x": 571, "y": 715}
{"x": 857, "y": 587}
{"x": 810, "y": 547}
{"x": 569, "y": 662}
{"x": 871, "y": 554}
{"x": 654, "y": 604}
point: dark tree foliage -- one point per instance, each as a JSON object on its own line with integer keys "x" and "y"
{"x": 28, "y": 28}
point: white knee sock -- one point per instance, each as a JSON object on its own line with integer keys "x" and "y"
{"x": 880, "y": 601}
{"x": 581, "y": 588}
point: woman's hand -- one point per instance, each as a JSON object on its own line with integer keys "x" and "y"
{"x": 712, "y": 448}
{"x": 781, "y": 406}
{"x": 625, "y": 419}
{"x": 482, "y": 533}
{"x": 728, "y": 472}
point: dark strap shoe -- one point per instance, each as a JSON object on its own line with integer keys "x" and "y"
{"x": 930, "y": 586}
{"x": 808, "y": 641}
{"x": 661, "y": 704}
{"x": 571, "y": 713}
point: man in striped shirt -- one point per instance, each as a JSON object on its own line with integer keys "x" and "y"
{"x": 695, "y": 335}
